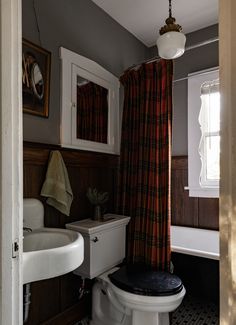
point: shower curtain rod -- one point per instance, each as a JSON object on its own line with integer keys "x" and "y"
{"x": 190, "y": 47}
{"x": 205, "y": 71}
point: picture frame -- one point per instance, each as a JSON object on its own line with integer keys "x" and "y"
{"x": 36, "y": 63}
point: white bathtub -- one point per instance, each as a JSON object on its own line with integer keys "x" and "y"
{"x": 195, "y": 241}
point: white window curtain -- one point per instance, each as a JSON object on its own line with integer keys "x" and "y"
{"x": 203, "y": 133}
{"x": 209, "y": 147}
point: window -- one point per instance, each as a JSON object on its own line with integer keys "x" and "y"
{"x": 209, "y": 147}
{"x": 204, "y": 134}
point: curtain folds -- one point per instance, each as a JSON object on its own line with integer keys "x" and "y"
{"x": 92, "y": 112}
{"x": 144, "y": 188}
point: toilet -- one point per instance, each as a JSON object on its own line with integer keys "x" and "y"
{"x": 126, "y": 295}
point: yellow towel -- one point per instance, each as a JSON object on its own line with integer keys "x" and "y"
{"x": 57, "y": 184}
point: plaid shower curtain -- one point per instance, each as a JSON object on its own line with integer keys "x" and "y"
{"x": 145, "y": 162}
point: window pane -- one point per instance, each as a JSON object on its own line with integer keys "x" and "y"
{"x": 211, "y": 110}
{"x": 203, "y": 122}
{"x": 213, "y": 157}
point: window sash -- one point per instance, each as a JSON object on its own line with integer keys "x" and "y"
{"x": 204, "y": 180}
{"x": 195, "y": 81}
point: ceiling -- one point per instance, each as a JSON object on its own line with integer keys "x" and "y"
{"x": 143, "y": 18}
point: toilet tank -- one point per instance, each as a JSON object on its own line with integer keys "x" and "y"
{"x": 104, "y": 243}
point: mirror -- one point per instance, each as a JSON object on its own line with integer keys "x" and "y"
{"x": 90, "y": 105}
{"x": 92, "y": 111}
{"x": 37, "y": 81}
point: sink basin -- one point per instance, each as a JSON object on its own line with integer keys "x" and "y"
{"x": 51, "y": 252}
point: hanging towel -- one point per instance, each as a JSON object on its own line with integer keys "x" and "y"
{"x": 56, "y": 186}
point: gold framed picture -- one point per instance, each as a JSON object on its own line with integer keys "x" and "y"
{"x": 36, "y": 63}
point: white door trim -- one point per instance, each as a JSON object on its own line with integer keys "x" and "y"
{"x": 11, "y": 195}
{"x": 228, "y": 163}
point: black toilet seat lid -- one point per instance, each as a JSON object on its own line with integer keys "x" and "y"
{"x": 139, "y": 280}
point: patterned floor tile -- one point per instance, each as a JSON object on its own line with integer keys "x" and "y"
{"x": 192, "y": 311}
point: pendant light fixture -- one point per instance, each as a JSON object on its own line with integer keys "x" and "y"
{"x": 171, "y": 41}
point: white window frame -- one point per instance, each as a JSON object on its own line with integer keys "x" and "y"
{"x": 195, "y": 80}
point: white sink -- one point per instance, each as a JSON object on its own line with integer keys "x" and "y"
{"x": 50, "y": 252}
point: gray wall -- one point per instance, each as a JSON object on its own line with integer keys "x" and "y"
{"x": 82, "y": 27}
{"x": 197, "y": 59}
{"x": 201, "y": 58}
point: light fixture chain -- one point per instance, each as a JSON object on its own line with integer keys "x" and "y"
{"x": 170, "y": 13}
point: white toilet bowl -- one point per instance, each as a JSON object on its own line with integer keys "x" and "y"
{"x": 115, "y": 306}
{"x": 149, "y": 310}
{"x": 132, "y": 294}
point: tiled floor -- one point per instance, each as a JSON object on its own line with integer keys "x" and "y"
{"x": 83, "y": 322}
{"x": 192, "y": 311}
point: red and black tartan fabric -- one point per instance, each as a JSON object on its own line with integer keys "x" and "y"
{"x": 145, "y": 162}
{"x": 92, "y": 112}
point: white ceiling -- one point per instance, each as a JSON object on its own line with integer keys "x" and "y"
{"x": 144, "y": 18}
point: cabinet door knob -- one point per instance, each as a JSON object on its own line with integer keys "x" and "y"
{"x": 95, "y": 239}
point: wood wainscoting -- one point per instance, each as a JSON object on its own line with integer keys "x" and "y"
{"x": 55, "y": 301}
{"x": 85, "y": 169}
{"x": 190, "y": 211}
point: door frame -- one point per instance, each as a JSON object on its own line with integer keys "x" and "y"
{"x": 11, "y": 179}
{"x": 228, "y": 165}
{"x": 11, "y": 161}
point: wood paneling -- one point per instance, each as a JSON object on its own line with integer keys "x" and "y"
{"x": 209, "y": 213}
{"x": 184, "y": 208}
{"x": 71, "y": 315}
{"x": 53, "y": 299}
{"x": 189, "y": 211}
{"x": 84, "y": 168}
{"x": 200, "y": 275}
{"x": 45, "y": 300}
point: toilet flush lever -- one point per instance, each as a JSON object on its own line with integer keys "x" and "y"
{"x": 95, "y": 239}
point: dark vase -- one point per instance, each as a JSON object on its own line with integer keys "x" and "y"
{"x": 97, "y": 213}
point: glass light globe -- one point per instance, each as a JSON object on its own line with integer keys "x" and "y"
{"x": 171, "y": 45}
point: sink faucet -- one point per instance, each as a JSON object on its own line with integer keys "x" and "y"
{"x": 27, "y": 229}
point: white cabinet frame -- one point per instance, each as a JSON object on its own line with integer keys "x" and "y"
{"x": 73, "y": 65}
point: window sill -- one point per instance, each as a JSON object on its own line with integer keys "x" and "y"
{"x": 203, "y": 192}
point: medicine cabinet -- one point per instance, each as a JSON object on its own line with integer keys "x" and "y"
{"x": 89, "y": 105}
